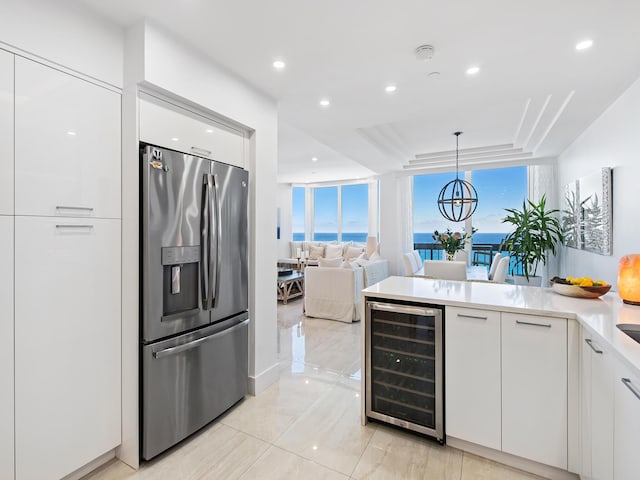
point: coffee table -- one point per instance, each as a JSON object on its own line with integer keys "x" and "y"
{"x": 290, "y": 286}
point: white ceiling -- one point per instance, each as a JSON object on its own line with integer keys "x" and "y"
{"x": 535, "y": 93}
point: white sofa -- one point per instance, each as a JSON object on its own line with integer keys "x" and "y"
{"x": 315, "y": 250}
{"x": 334, "y": 292}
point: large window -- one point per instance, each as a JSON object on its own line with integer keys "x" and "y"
{"x": 497, "y": 189}
{"x": 325, "y": 213}
{"x": 355, "y": 208}
{"x": 297, "y": 222}
{"x": 340, "y": 213}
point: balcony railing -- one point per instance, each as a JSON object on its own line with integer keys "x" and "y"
{"x": 481, "y": 254}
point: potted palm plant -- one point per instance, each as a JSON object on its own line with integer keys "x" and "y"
{"x": 536, "y": 232}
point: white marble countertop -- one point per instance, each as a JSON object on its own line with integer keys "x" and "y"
{"x": 599, "y": 316}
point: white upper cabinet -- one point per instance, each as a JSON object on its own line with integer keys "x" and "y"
{"x": 6, "y": 348}
{"x": 472, "y": 379}
{"x": 169, "y": 126}
{"x": 6, "y": 133}
{"x": 67, "y": 144}
{"x": 67, "y": 343}
{"x": 534, "y": 388}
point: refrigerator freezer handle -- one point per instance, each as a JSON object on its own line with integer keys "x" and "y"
{"x": 188, "y": 346}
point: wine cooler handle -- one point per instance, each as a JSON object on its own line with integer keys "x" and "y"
{"x": 389, "y": 307}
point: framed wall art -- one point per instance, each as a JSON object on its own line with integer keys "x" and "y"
{"x": 587, "y": 213}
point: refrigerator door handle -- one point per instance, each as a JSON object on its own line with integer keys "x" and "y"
{"x": 215, "y": 286}
{"x": 195, "y": 343}
{"x": 204, "y": 241}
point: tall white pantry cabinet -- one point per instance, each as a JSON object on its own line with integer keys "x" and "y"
{"x": 63, "y": 246}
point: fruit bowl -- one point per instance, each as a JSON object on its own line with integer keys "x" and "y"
{"x": 561, "y": 286}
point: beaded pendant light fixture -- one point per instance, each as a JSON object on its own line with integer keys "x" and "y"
{"x": 458, "y": 199}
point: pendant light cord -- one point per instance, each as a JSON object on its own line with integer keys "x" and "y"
{"x": 457, "y": 134}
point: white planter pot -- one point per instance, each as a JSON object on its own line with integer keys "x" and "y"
{"x": 533, "y": 281}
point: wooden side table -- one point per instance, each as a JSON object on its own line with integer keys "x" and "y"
{"x": 290, "y": 286}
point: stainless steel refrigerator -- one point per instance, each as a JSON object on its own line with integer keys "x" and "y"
{"x": 194, "y": 300}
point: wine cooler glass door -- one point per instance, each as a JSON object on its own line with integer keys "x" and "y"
{"x": 404, "y": 366}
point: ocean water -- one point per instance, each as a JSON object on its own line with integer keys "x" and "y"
{"x": 482, "y": 238}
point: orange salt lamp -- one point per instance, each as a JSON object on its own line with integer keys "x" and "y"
{"x": 629, "y": 279}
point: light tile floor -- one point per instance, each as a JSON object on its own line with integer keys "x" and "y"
{"x": 307, "y": 425}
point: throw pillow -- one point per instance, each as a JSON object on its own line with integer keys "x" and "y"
{"x": 352, "y": 252}
{"x": 315, "y": 252}
{"x": 375, "y": 256}
{"x": 333, "y": 251}
{"x": 330, "y": 262}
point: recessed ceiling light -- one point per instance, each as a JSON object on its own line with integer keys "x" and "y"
{"x": 279, "y": 64}
{"x": 209, "y": 130}
{"x": 72, "y": 134}
{"x": 390, "y": 88}
{"x": 314, "y": 159}
{"x": 473, "y": 70}
{"x": 584, "y": 45}
{"x": 175, "y": 139}
{"x": 325, "y": 102}
{"x": 434, "y": 74}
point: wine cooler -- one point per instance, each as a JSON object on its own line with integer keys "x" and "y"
{"x": 404, "y": 384}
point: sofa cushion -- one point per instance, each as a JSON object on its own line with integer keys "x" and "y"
{"x": 315, "y": 252}
{"x": 329, "y": 262}
{"x": 352, "y": 252}
{"x": 333, "y": 251}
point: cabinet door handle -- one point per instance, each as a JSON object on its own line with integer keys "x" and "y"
{"x": 475, "y": 317}
{"x": 201, "y": 151}
{"x": 545, "y": 325}
{"x": 84, "y": 209}
{"x": 74, "y": 226}
{"x": 629, "y": 385}
{"x": 588, "y": 342}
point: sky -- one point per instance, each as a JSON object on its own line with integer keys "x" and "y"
{"x": 497, "y": 189}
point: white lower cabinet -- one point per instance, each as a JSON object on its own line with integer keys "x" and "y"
{"x": 472, "y": 379}
{"x": 67, "y": 343}
{"x": 6, "y": 348}
{"x": 601, "y": 403}
{"x": 626, "y": 441}
{"x": 534, "y": 388}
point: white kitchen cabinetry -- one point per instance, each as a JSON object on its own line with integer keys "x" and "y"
{"x": 6, "y": 348}
{"x": 627, "y": 423}
{"x": 472, "y": 379}
{"x": 534, "y": 388}
{"x": 6, "y": 133}
{"x": 67, "y": 144}
{"x": 67, "y": 343}
{"x": 172, "y": 127}
{"x": 597, "y": 409}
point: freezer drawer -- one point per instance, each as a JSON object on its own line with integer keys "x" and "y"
{"x": 190, "y": 380}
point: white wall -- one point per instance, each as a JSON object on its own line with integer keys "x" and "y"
{"x": 396, "y": 219}
{"x": 65, "y": 33}
{"x": 613, "y": 140}
{"x": 284, "y": 203}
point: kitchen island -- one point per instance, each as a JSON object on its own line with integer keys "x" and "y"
{"x": 532, "y": 379}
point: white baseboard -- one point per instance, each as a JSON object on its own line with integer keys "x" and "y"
{"x": 266, "y": 378}
{"x": 91, "y": 466}
{"x": 545, "y": 471}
